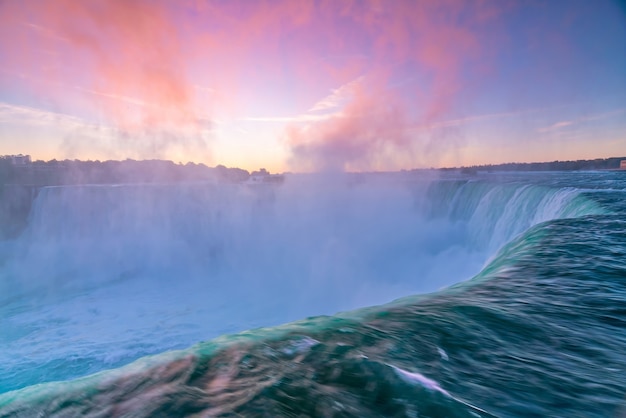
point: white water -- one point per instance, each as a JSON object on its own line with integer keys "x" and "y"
{"x": 106, "y": 274}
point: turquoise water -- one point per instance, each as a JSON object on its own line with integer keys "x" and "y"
{"x": 527, "y": 315}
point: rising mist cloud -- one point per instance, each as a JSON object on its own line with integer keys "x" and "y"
{"x": 388, "y": 65}
{"x": 425, "y": 45}
{"x": 121, "y": 59}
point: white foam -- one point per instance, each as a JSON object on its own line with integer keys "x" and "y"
{"x": 420, "y": 379}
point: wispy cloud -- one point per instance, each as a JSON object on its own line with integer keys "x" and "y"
{"x": 303, "y": 118}
{"x": 563, "y": 124}
{"x": 606, "y": 115}
{"x": 338, "y": 97}
{"x": 479, "y": 118}
{"x": 125, "y": 99}
{"x": 71, "y": 136}
{"x": 45, "y": 31}
{"x": 329, "y": 107}
{"x": 14, "y": 114}
{"x": 556, "y": 126}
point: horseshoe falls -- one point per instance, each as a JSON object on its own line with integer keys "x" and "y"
{"x": 345, "y": 295}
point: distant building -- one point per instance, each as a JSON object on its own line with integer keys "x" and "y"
{"x": 19, "y": 159}
{"x": 622, "y": 165}
{"x": 264, "y": 176}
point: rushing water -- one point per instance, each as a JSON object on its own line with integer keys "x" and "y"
{"x": 535, "y": 324}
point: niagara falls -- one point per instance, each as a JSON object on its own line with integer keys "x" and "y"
{"x": 309, "y": 208}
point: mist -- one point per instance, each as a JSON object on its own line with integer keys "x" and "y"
{"x": 127, "y": 270}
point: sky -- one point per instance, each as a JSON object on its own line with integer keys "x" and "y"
{"x": 305, "y": 85}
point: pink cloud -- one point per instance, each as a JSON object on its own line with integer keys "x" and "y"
{"x": 438, "y": 41}
{"x": 122, "y": 48}
{"x": 131, "y": 60}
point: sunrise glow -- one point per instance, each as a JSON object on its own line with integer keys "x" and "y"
{"x": 313, "y": 85}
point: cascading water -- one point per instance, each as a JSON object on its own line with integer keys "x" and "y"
{"x": 103, "y": 275}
